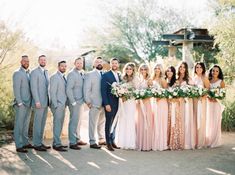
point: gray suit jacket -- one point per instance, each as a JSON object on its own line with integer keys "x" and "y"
{"x": 39, "y": 82}
{"x": 74, "y": 89}
{"x": 92, "y": 88}
{"x": 57, "y": 90}
{"x": 21, "y": 87}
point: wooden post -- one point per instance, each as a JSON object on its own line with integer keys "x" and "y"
{"x": 187, "y": 53}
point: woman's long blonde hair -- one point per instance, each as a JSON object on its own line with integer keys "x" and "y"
{"x": 161, "y": 69}
{"x": 145, "y": 66}
{"x": 125, "y": 76}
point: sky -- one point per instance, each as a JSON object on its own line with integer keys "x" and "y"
{"x": 63, "y": 23}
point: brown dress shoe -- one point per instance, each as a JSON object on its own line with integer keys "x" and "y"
{"x": 29, "y": 146}
{"x": 102, "y": 143}
{"x": 75, "y": 147}
{"x": 115, "y": 146}
{"x": 81, "y": 143}
{"x": 40, "y": 148}
{"x": 95, "y": 146}
{"x": 109, "y": 147}
{"x": 59, "y": 148}
{"x": 21, "y": 150}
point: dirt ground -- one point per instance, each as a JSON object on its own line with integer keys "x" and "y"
{"x": 121, "y": 162}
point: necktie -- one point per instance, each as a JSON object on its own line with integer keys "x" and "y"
{"x": 45, "y": 77}
{"x": 101, "y": 73}
{"x": 64, "y": 79}
{"x": 27, "y": 73}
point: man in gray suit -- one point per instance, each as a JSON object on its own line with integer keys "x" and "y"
{"x": 93, "y": 99}
{"x": 22, "y": 105}
{"x": 74, "y": 91}
{"x": 58, "y": 99}
{"x": 39, "y": 82}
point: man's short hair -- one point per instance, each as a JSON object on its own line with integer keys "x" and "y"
{"x": 60, "y": 62}
{"x": 41, "y": 56}
{"x": 99, "y": 57}
{"x": 24, "y": 56}
{"x": 79, "y": 58}
{"x": 114, "y": 59}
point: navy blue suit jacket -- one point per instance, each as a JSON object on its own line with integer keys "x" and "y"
{"x": 107, "y": 97}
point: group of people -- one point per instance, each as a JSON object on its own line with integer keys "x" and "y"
{"x": 170, "y": 124}
{"x": 145, "y": 124}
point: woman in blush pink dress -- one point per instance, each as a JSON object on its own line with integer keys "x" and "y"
{"x": 200, "y": 105}
{"x": 170, "y": 77}
{"x": 144, "y": 121}
{"x": 215, "y": 109}
{"x": 160, "y": 110}
{"x": 188, "y": 123}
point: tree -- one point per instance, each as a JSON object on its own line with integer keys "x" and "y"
{"x": 223, "y": 30}
{"x": 133, "y": 29}
{"x": 8, "y": 41}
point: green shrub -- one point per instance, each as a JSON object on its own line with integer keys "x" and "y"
{"x": 228, "y": 120}
{"x": 7, "y": 112}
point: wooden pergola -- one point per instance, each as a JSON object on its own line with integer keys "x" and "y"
{"x": 186, "y": 38}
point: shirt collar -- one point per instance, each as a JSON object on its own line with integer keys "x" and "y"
{"x": 60, "y": 73}
{"x": 26, "y": 70}
{"x": 42, "y": 68}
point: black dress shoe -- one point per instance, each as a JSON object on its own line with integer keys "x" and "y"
{"x": 46, "y": 147}
{"x": 21, "y": 150}
{"x": 64, "y": 146}
{"x": 76, "y": 147}
{"x": 109, "y": 147}
{"x": 59, "y": 148}
{"x": 29, "y": 146}
{"x": 95, "y": 146}
{"x": 115, "y": 146}
{"x": 40, "y": 148}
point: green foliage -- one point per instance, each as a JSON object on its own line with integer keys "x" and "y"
{"x": 223, "y": 30}
{"x": 132, "y": 30}
{"x": 6, "y": 109}
{"x": 228, "y": 120}
{"x": 205, "y": 53}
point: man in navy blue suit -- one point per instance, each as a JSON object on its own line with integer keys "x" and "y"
{"x": 110, "y": 102}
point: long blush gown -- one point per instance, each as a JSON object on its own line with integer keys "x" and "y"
{"x": 189, "y": 123}
{"x": 214, "y": 117}
{"x": 200, "y": 114}
{"x": 160, "y": 123}
{"x": 144, "y": 122}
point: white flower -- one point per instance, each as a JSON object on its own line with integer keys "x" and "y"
{"x": 174, "y": 93}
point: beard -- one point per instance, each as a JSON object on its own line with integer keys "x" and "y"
{"x": 99, "y": 67}
{"x": 42, "y": 65}
{"x": 25, "y": 66}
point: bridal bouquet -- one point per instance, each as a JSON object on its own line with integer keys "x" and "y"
{"x": 159, "y": 93}
{"x": 217, "y": 93}
{"x": 175, "y": 92}
{"x": 142, "y": 93}
{"x": 197, "y": 92}
{"x": 122, "y": 90}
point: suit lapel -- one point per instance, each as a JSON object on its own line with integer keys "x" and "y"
{"x": 113, "y": 77}
{"x": 25, "y": 74}
{"x": 62, "y": 78}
